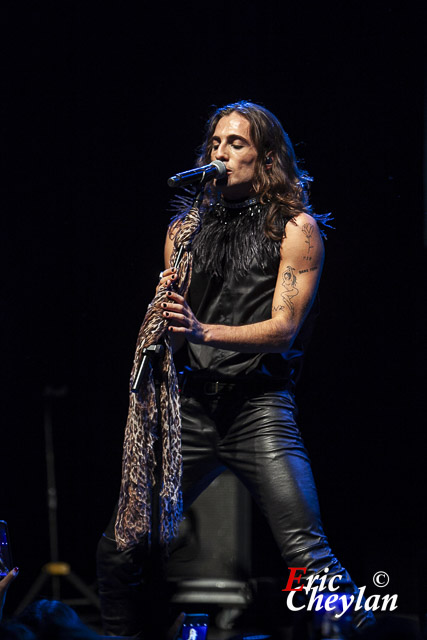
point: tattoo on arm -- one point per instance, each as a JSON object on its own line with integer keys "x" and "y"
{"x": 307, "y": 230}
{"x": 290, "y": 290}
{"x": 308, "y": 270}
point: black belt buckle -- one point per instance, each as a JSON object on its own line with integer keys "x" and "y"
{"x": 211, "y": 388}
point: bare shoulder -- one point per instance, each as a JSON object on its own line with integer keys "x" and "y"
{"x": 304, "y": 223}
{"x": 303, "y": 238}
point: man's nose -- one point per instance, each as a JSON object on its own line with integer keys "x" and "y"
{"x": 221, "y": 152}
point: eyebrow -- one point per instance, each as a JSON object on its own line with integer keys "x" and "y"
{"x": 231, "y": 137}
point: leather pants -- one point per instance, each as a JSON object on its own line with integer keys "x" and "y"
{"x": 255, "y": 436}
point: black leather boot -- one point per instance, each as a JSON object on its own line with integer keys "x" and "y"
{"x": 121, "y": 590}
{"x": 132, "y": 589}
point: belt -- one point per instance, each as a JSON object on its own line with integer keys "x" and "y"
{"x": 200, "y": 386}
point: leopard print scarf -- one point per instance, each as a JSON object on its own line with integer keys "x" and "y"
{"x": 143, "y": 428}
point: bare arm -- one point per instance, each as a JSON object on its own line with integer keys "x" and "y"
{"x": 169, "y": 244}
{"x": 177, "y": 340}
{"x": 301, "y": 261}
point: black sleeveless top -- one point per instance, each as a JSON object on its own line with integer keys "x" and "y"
{"x": 239, "y": 292}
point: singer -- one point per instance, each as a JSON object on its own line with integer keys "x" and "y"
{"x": 244, "y": 326}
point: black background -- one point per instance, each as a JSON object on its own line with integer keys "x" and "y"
{"x": 101, "y": 103}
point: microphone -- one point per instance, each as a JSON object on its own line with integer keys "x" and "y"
{"x": 215, "y": 169}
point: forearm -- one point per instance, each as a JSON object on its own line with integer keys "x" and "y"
{"x": 270, "y": 336}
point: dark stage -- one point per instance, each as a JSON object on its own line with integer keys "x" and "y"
{"x": 100, "y": 105}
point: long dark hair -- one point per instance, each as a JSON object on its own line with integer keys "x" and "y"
{"x": 284, "y": 184}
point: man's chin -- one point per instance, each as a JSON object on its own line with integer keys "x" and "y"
{"x": 234, "y": 192}
{"x": 221, "y": 183}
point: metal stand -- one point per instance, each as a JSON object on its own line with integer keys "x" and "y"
{"x": 158, "y": 597}
{"x": 55, "y": 569}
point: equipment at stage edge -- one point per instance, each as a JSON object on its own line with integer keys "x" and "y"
{"x": 55, "y": 570}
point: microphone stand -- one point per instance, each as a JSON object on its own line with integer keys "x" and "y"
{"x": 151, "y": 358}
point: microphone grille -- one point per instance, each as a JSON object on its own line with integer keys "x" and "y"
{"x": 222, "y": 169}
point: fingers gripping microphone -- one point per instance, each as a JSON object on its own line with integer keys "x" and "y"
{"x": 215, "y": 169}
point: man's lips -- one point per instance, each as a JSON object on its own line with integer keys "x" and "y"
{"x": 223, "y": 181}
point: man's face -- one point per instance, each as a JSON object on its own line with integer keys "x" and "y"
{"x": 232, "y": 144}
